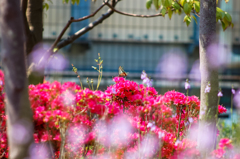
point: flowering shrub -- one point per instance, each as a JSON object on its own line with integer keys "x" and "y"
{"x": 127, "y": 120}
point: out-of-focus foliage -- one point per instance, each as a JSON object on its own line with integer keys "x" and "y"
{"x": 72, "y": 1}
{"x": 46, "y": 4}
{"x": 191, "y": 8}
{"x": 230, "y": 131}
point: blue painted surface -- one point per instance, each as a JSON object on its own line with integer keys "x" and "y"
{"x": 196, "y": 32}
{"x": 195, "y": 37}
{"x": 79, "y": 11}
{"x": 133, "y": 57}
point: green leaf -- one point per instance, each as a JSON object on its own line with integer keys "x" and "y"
{"x": 176, "y": 5}
{"x": 73, "y": 1}
{"x": 159, "y": 2}
{"x": 224, "y": 26}
{"x": 65, "y": 1}
{"x": 163, "y": 11}
{"x": 155, "y": 3}
{"x": 187, "y": 19}
{"x": 78, "y": 1}
{"x": 55, "y": 49}
{"x": 168, "y": 3}
{"x": 47, "y": 6}
{"x": 187, "y": 8}
{"x": 179, "y": 11}
{"x": 228, "y": 17}
{"x": 196, "y": 5}
{"x": 219, "y": 13}
{"x": 170, "y": 12}
{"x": 194, "y": 18}
{"x": 182, "y": 2}
{"x": 148, "y": 4}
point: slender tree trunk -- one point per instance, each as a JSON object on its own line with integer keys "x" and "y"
{"x": 19, "y": 114}
{"x": 33, "y": 18}
{"x": 209, "y": 73}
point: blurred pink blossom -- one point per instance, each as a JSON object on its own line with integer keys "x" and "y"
{"x": 40, "y": 151}
{"x": 218, "y": 55}
{"x": 236, "y": 99}
{"x": 172, "y": 65}
{"x": 57, "y": 62}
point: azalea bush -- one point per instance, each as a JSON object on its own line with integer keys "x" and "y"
{"x": 127, "y": 120}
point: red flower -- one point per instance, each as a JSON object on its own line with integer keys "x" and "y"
{"x": 221, "y": 109}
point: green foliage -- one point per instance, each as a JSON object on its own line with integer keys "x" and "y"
{"x": 155, "y": 2}
{"x": 187, "y": 8}
{"x": 176, "y": 5}
{"x": 164, "y": 11}
{"x": 46, "y": 4}
{"x": 196, "y": 5}
{"x": 187, "y": 19}
{"x": 170, "y": 12}
{"x": 229, "y": 131}
{"x": 190, "y": 8}
{"x": 148, "y": 4}
{"x": 72, "y": 1}
{"x": 194, "y": 18}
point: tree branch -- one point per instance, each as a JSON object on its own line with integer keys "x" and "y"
{"x": 23, "y": 10}
{"x": 71, "y": 20}
{"x": 84, "y": 30}
{"x": 57, "y": 44}
{"x": 133, "y": 15}
{"x": 30, "y": 38}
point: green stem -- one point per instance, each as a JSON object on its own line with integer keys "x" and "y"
{"x": 92, "y": 87}
{"x": 89, "y": 86}
{"x": 99, "y": 79}
{"x": 160, "y": 150}
{"x": 231, "y": 115}
{"x": 179, "y": 121}
{"x": 80, "y": 81}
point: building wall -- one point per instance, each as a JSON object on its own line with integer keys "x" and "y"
{"x": 119, "y": 27}
{"x": 134, "y": 57}
{"x": 235, "y": 12}
{"x": 55, "y": 18}
{"x": 158, "y": 29}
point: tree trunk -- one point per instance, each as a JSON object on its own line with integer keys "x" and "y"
{"x": 34, "y": 28}
{"x": 209, "y": 101}
{"x": 19, "y": 114}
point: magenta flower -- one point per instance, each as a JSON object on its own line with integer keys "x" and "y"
{"x": 221, "y": 109}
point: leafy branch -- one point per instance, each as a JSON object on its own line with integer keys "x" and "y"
{"x": 188, "y": 7}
